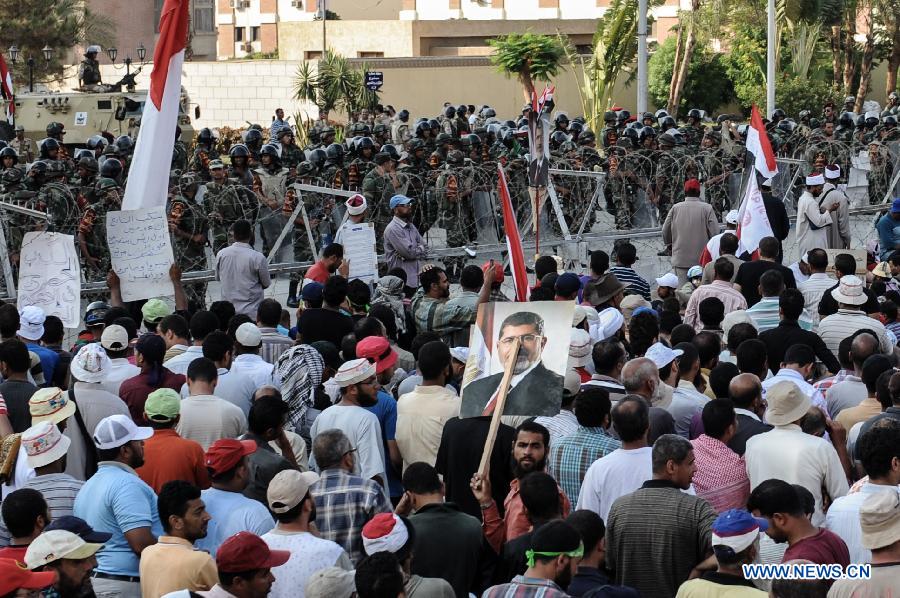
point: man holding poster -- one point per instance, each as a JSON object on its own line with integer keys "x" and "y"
{"x": 535, "y": 388}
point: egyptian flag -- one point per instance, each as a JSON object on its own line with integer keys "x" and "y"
{"x": 148, "y": 179}
{"x": 6, "y": 90}
{"x": 513, "y": 241}
{"x": 753, "y": 222}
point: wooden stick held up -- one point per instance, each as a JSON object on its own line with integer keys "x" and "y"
{"x": 503, "y": 389}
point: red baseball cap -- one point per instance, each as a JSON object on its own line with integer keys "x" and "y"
{"x": 498, "y": 270}
{"x": 15, "y": 575}
{"x": 224, "y": 454}
{"x": 377, "y": 348}
{"x": 245, "y": 551}
{"x": 692, "y": 185}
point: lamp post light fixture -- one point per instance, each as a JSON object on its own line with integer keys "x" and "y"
{"x": 112, "y": 52}
{"x": 142, "y": 53}
{"x": 31, "y": 62}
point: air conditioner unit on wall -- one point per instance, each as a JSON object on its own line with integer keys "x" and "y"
{"x": 247, "y": 47}
{"x": 245, "y": 3}
{"x": 297, "y": 4}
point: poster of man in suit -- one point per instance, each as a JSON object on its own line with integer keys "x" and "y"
{"x": 539, "y": 148}
{"x": 543, "y": 330}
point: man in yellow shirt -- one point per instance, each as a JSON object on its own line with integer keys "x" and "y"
{"x": 173, "y": 563}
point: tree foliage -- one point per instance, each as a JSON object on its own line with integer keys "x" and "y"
{"x": 32, "y": 24}
{"x": 335, "y": 84}
{"x": 527, "y": 56}
{"x": 707, "y": 86}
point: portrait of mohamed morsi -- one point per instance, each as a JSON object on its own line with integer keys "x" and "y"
{"x": 543, "y": 329}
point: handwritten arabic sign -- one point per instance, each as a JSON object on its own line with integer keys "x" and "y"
{"x": 49, "y": 276}
{"x": 141, "y": 252}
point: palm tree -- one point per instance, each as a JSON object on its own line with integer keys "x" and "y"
{"x": 527, "y": 56}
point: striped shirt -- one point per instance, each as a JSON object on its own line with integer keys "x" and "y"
{"x": 825, "y": 383}
{"x": 571, "y": 457}
{"x": 765, "y": 316}
{"x": 721, "y": 476}
{"x": 525, "y": 587}
{"x": 59, "y": 491}
{"x": 636, "y": 284}
{"x": 813, "y": 288}
{"x": 721, "y": 290}
{"x": 836, "y": 327}
{"x": 655, "y": 536}
{"x": 560, "y": 425}
{"x": 273, "y": 344}
{"x": 613, "y": 387}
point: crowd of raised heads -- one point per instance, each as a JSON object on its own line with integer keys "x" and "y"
{"x": 743, "y": 412}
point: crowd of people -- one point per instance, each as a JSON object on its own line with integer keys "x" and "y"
{"x": 731, "y": 412}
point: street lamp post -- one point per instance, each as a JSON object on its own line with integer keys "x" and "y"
{"x": 14, "y": 51}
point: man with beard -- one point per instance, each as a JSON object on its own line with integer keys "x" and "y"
{"x": 534, "y": 389}
{"x": 116, "y": 501}
{"x": 553, "y": 558}
{"x": 813, "y": 218}
{"x": 173, "y": 563}
{"x": 69, "y": 556}
{"x": 295, "y": 509}
{"x": 433, "y": 313}
{"x": 359, "y": 389}
{"x": 529, "y": 453}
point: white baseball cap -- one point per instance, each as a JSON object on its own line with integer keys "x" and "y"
{"x": 31, "y": 323}
{"x": 732, "y": 217}
{"x": 668, "y": 280}
{"x": 58, "y": 544}
{"x": 116, "y": 430}
{"x": 662, "y": 355}
{"x": 114, "y": 338}
{"x": 248, "y": 335}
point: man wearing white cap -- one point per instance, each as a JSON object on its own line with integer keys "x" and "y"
{"x": 359, "y": 389}
{"x": 666, "y": 285}
{"x": 839, "y": 232}
{"x": 812, "y": 216}
{"x": 289, "y": 499}
{"x": 31, "y": 330}
{"x": 69, "y": 556}
{"x": 851, "y": 296}
{"x": 712, "y": 251}
{"x": 356, "y": 214}
{"x": 116, "y": 501}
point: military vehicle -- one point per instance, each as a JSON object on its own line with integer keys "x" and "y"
{"x": 87, "y": 113}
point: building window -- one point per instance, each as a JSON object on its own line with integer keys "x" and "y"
{"x": 313, "y": 54}
{"x": 370, "y": 54}
{"x": 254, "y": 34}
{"x": 239, "y": 34}
{"x": 157, "y": 13}
{"x": 204, "y": 16}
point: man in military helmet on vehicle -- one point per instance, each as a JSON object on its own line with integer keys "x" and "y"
{"x": 89, "y": 78}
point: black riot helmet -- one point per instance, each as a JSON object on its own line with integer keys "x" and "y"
{"x": 421, "y": 128}
{"x": 472, "y": 139}
{"x": 449, "y": 112}
{"x": 8, "y": 152}
{"x": 461, "y": 110}
{"x": 557, "y": 138}
{"x": 270, "y": 150}
{"x": 846, "y": 120}
{"x": 391, "y": 150}
{"x": 609, "y": 117}
{"x": 889, "y": 122}
{"x": 587, "y": 137}
{"x": 694, "y": 113}
{"x": 239, "y": 150}
{"x": 434, "y": 124}
{"x": 778, "y": 113}
{"x": 335, "y": 153}
{"x": 622, "y": 116}
{"x": 561, "y": 120}
{"x": 111, "y": 168}
{"x": 667, "y": 123}
{"x": 805, "y": 115}
{"x": 365, "y": 143}
{"x": 645, "y": 133}
{"x": 253, "y": 138}
{"x": 89, "y": 163}
{"x": 205, "y": 135}
{"x": 96, "y": 141}
{"x": 56, "y": 130}
{"x": 403, "y": 115}
{"x": 125, "y": 144}
{"x": 46, "y": 146}
{"x": 317, "y": 158}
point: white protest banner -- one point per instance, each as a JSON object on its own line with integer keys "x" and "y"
{"x": 50, "y": 277}
{"x": 359, "y": 251}
{"x": 141, "y": 252}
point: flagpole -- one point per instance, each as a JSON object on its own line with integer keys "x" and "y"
{"x": 770, "y": 58}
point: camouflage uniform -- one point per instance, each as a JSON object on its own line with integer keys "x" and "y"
{"x": 667, "y": 181}
{"x": 378, "y": 189}
{"x": 60, "y": 204}
{"x": 201, "y": 159}
{"x": 400, "y": 132}
{"x": 187, "y": 219}
{"x": 454, "y": 188}
{"x": 14, "y": 223}
{"x": 179, "y": 157}
{"x": 272, "y": 185}
{"x": 224, "y": 204}
{"x": 693, "y": 135}
{"x": 880, "y": 174}
{"x": 334, "y": 175}
{"x": 620, "y": 187}
{"x": 92, "y": 228}
{"x": 291, "y": 156}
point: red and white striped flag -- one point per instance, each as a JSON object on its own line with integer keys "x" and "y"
{"x": 148, "y": 179}
{"x": 513, "y": 241}
{"x": 758, "y": 145}
{"x": 753, "y": 222}
{"x": 6, "y": 90}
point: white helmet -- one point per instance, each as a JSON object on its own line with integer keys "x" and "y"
{"x": 92, "y": 50}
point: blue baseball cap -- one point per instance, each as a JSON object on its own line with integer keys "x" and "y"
{"x": 736, "y": 529}
{"x": 895, "y": 207}
{"x": 399, "y": 200}
{"x": 312, "y": 291}
{"x": 79, "y": 527}
{"x": 567, "y": 283}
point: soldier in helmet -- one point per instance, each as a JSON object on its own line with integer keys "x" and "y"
{"x": 718, "y": 167}
{"x": 400, "y": 133}
{"x": 381, "y": 135}
{"x": 9, "y": 158}
{"x": 253, "y": 139}
{"x": 190, "y": 227}
{"x": 24, "y": 146}
{"x": 89, "y": 78}
{"x": 221, "y": 202}
{"x": 179, "y": 154}
{"x": 850, "y": 104}
{"x": 240, "y": 165}
{"x": 379, "y": 186}
{"x": 667, "y": 178}
{"x": 92, "y": 228}
{"x": 889, "y": 130}
{"x": 204, "y": 153}
{"x": 454, "y": 189}
{"x": 880, "y": 173}
{"x": 85, "y": 183}
{"x": 334, "y": 174}
{"x": 439, "y": 155}
{"x": 55, "y": 198}
{"x": 462, "y": 121}
{"x": 302, "y": 250}
{"x": 270, "y": 185}
{"x": 362, "y": 164}
{"x": 893, "y": 105}
{"x": 621, "y": 184}
{"x": 291, "y": 155}
{"x": 693, "y": 131}
{"x": 448, "y": 121}
{"x": 14, "y": 191}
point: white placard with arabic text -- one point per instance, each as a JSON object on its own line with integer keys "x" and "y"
{"x": 50, "y": 277}
{"x": 141, "y": 252}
